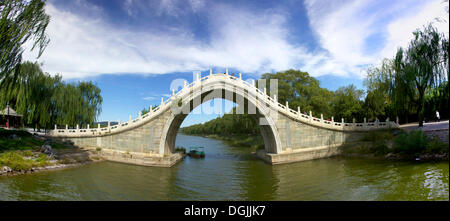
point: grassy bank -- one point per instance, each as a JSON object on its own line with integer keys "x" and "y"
{"x": 23, "y": 160}
{"x": 11, "y": 140}
{"x": 21, "y": 152}
{"x": 399, "y": 145}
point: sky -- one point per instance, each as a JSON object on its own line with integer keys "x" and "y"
{"x": 134, "y": 49}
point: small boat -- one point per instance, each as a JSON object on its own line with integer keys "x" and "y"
{"x": 196, "y": 152}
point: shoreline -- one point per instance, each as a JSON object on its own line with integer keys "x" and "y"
{"x": 250, "y": 141}
{"x": 361, "y": 153}
{"x": 58, "y": 164}
{"x": 47, "y": 168}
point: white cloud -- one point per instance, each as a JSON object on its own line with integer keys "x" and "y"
{"x": 400, "y": 30}
{"x": 251, "y": 43}
{"x": 84, "y": 46}
{"x": 343, "y": 29}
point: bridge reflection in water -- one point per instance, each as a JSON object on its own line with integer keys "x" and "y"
{"x": 230, "y": 173}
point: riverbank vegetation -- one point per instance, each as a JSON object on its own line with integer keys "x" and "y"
{"x": 22, "y": 152}
{"x": 410, "y": 86}
{"x": 46, "y": 100}
{"x": 399, "y": 145}
{"x": 43, "y": 100}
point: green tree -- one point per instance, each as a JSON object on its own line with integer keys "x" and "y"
{"x": 20, "y": 21}
{"x": 301, "y": 89}
{"x": 347, "y": 103}
{"x": 421, "y": 66}
{"x": 31, "y": 94}
{"x": 45, "y": 100}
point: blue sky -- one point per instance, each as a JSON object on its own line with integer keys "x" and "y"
{"x": 133, "y": 49}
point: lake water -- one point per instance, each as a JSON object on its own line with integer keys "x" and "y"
{"x": 231, "y": 173}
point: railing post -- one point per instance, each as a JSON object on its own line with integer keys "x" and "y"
{"x": 109, "y": 125}
{"x": 210, "y": 72}
{"x": 253, "y": 83}
{"x": 173, "y": 92}
{"x": 240, "y": 76}
{"x": 185, "y": 84}
{"x": 78, "y": 127}
{"x": 98, "y": 126}
{"x": 332, "y": 120}
{"x": 365, "y": 120}
{"x": 67, "y": 127}
{"x": 162, "y": 101}
{"x": 354, "y": 121}
{"x": 88, "y": 126}
{"x": 298, "y": 110}
{"x": 56, "y": 127}
{"x": 151, "y": 108}
{"x": 387, "y": 122}
{"x": 396, "y": 120}
{"x": 287, "y": 105}
{"x": 198, "y": 77}
{"x": 226, "y": 71}
{"x": 342, "y": 121}
{"x": 129, "y": 120}
{"x": 310, "y": 116}
{"x": 321, "y": 118}
{"x": 265, "y": 91}
{"x": 140, "y": 114}
{"x": 118, "y": 123}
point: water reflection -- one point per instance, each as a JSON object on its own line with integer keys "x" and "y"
{"x": 229, "y": 173}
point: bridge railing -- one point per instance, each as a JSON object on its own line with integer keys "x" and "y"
{"x": 250, "y": 87}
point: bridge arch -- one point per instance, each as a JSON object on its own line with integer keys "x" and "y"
{"x": 220, "y": 89}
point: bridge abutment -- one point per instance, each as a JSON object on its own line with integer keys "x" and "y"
{"x": 289, "y": 135}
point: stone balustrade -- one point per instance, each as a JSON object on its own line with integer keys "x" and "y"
{"x": 238, "y": 82}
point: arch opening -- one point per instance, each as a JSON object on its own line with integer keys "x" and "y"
{"x": 267, "y": 130}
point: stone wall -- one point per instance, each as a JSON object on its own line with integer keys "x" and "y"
{"x": 296, "y": 135}
{"x": 143, "y": 139}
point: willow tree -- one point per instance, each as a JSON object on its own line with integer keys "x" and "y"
{"x": 421, "y": 66}
{"x": 20, "y": 21}
{"x": 77, "y": 103}
{"x": 45, "y": 100}
{"x": 30, "y": 93}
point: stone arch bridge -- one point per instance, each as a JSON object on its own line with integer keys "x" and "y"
{"x": 289, "y": 135}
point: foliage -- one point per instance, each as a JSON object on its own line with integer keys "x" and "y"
{"x": 25, "y": 143}
{"x": 436, "y": 146}
{"x": 301, "y": 89}
{"x": 44, "y": 100}
{"x": 16, "y": 161}
{"x": 415, "y": 81}
{"x": 21, "y": 21}
{"x": 228, "y": 124}
{"x": 347, "y": 103}
{"x": 411, "y": 143}
{"x": 6, "y": 133}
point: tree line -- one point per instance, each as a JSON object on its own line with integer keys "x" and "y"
{"x": 414, "y": 83}
{"x": 42, "y": 99}
{"x": 410, "y": 86}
